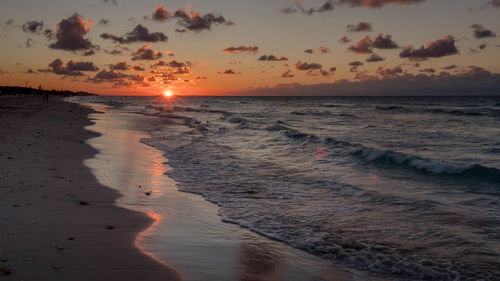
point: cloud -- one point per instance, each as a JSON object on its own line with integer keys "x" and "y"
{"x": 113, "y": 52}
{"x": 240, "y": 49}
{"x": 139, "y": 34}
{"x": 375, "y": 3}
{"x": 323, "y": 50}
{"x": 389, "y": 72}
{"x": 481, "y": 31}
{"x": 450, "y": 67}
{"x": 2, "y": 72}
{"x": 312, "y": 69}
{"x": 483, "y": 46}
{"x": 137, "y": 67}
{"x": 307, "y": 66}
{"x": 9, "y": 22}
{"x": 359, "y": 27}
{"x": 363, "y": 46}
{"x": 354, "y": 65}
{"x": 111, "y": 2}
{"x": 375, "y": 58}
{"x": 70, "y": 34}
{"x": 428, "y": 70}
{"x": 381, "y": 42}
{"x": 103, "y": 22}
{"x": 32, "y": 26}
{"x": 494, "y": 3}
{"x": 326, "y": 7}
{"x": 197, "y": 22}
{"x": 121, "y": 65}
{"x": 435, "y": 49}
{"x": 287, "y": 74}
{"x": 73, "y": 68}
{"x": 161, "y": 13}
{"x": 344, "y": 39}
{"x": 308, "y": 51}
{"x": 145, "y": 53}
{"x": 29, "y": 43}
{"x": 229, "y": 72}
{"x": 473, "y": 81}
{"x": 272, "y": 58}
{"x": 107, "y": 75}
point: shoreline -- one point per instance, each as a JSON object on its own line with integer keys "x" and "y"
{"x": 57, "y": 221}
{"x": 189, "y": 233}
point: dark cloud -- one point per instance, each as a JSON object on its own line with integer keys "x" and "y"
{"x": 375, "y": 58}
{"x": 344, "y": 39}
{"x": 428, "y": 70}
{"x": 145, "y": 53}
{"x": 137, "y": 67}
{"x": 161, "y": 13}
{"x": 73, "y": 68}
{"x": 473, "y": 81}
{"x": 363, "y": 46}
{"x": 29, "y": 43}
{"x": 114, "y": 52}
{"x": 435, "y": 49}
{"x": 483, "y": 46}
{"x": 312, "y": 69}
{"x": 381, "y": 42}
{"x": 197, "y": 22}
{"x": 494, "y": 3}
{"x": 108, "y": 75}
{"x": 9, "y": 22}
{"x": 450, "y": 67}
{"x": 139, "y": 34}
{"x": 70, "y": 34}
{"x": 355, "y": 65}
{"x": 229, "y": 72}
{"x": 73, "y": 65}
{"x": 287, "y": 74}
{"x": 326, "y": 7}
{"x": 375, "y": 3}
{"x": 104, "y": 22}
{"x": 2, "y": 72}
{"x": 481, "y": 31}
{"x": 323, "y": 50}
{"x": 308, "y": 51}
{"x": 389, "y": 72}
{"x": 240, "y": 49}
{"x": 307, "y": 66}
{"x": 33, "y": 26}
{"x": 272, "y": 58}
{"x": 111, "y": 2}
{"x": 359, "y": 27}
{"x": 121, "y": 65}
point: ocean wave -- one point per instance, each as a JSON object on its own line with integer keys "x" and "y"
{"x": 433, "y": 166}
{"x": 449, "y": 111}
{"x": 289, "y": 132}
{"x": 321, "y": 113}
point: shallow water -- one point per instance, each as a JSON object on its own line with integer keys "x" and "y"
{"x": 406, "y": 187}
{"x": 188, "y": 234}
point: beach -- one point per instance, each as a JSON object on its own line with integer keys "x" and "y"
{"x": 57, "y": 221}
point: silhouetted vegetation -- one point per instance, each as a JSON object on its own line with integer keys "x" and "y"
{"x": 14, "y": 90}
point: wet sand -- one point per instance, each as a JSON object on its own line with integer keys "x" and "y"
{"x": 188, "y": 233}
{"x": 57, "y": 222}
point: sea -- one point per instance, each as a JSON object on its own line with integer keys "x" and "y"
{"x": 399, "y": 186}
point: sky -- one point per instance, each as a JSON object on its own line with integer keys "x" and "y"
{"x": 253, "y": 47}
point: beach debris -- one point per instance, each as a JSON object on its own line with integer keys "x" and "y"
{"x": 9, "y": 157}
{"x": 15, "y": 205}
{"x": 110, "y": 227}
{"x": 5, "y": 271}
{"x": 148, "y": 193}
{"x": 56, "y": 267}
{"x": 84, "y": 203}
{"x": 60, "y": 247}
{"x": 71, "y": 238}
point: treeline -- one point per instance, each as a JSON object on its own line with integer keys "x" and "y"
{"x": 13, "y": 90}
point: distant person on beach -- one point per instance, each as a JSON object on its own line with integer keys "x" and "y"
{"x": 45, "y": 97}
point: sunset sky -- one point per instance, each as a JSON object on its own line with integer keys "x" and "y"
{"x": 217, "y": 47}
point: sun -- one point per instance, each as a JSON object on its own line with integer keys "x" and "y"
{"x": 168, "y": 93}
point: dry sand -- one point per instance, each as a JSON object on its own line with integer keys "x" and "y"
{"x": 53, "y": 212}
